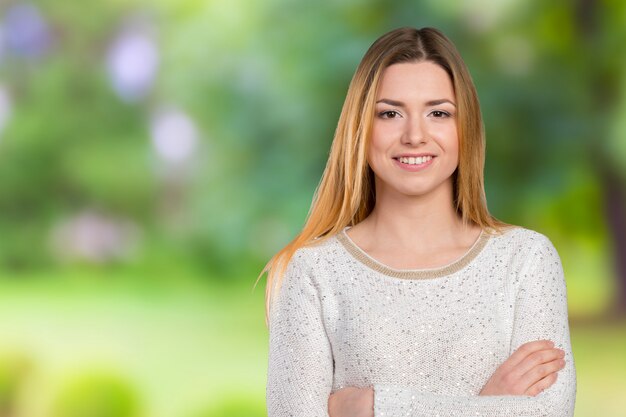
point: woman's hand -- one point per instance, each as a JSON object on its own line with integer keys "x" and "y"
{"x": 528, "y": 371}
{"x": 352, "y": 402}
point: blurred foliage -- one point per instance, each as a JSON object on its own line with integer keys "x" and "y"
{"x": 265, "y": 98}
{"x": 14, "y": 371}
{"x": 98, "y": 396}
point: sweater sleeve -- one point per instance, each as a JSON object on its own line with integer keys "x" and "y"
{"x": 300, "y": 368}
{"x": 540, "y": 313}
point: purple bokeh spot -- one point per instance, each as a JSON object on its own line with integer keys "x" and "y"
{"x": 132, "y": 64}
{"x": 5, "y": 107}
{"x": 174, "y": 135}
{"x": 25, "y": 31}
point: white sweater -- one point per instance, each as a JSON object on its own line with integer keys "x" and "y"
{"x": 427, "y": 340}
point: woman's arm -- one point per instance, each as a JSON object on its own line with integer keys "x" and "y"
{"x": 528, "y": 371}
{"x": 540, "y": 314}
{"x": 300, "y": 367}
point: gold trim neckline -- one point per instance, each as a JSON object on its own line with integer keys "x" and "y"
{"x": 437, "y": 272}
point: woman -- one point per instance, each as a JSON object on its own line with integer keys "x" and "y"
{"x": 402, "y": 295}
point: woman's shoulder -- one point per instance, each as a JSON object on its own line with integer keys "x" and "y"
{"x": 524, "y": 249}
{"x": 318, "y": 249}
{"x": 312, "y": 261}
{"x": 518, "y": 234}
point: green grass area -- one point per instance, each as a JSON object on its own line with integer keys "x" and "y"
{"x": 188, "y": 349}
{"x": 600, "y": 356}
{"x": 185, "y": 348}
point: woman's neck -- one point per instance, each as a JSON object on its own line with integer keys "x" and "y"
{"x": 429, "y": 222}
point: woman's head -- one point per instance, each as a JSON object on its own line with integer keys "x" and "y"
{"x": 407, "y": 45}
{"x": 346, "y": 193}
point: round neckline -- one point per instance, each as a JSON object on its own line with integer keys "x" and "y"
{"x": 437, "y": 272}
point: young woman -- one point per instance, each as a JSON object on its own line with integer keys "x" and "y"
{"x": 402, "y": 295}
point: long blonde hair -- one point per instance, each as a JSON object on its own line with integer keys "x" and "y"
{"x": 345, "y": 195}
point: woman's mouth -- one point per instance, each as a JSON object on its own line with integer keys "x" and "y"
{"x": 414, "y": 163}
{"x": 418, "y": 160}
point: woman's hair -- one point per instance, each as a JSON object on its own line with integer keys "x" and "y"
{"x": 346, "y": 195}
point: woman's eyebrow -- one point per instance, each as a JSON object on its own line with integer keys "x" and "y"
{"x": 391, "y": 102}
{"x": 428, "y": 103}
{"x": 439, "y": 101}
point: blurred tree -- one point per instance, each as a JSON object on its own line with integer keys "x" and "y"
{"x": 601, "y": 26}
{"x": 70, "y": 143}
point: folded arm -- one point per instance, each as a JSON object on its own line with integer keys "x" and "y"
{"x": 540, "y": 313}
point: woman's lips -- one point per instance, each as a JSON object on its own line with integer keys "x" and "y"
{"x": 413, "y": 167}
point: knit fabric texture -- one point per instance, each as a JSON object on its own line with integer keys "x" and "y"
{"x": 426, "y": 340}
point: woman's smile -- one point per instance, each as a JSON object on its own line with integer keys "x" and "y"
{"x": 414, "y": 163}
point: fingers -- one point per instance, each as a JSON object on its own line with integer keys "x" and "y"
{"x": 526, "y": 349}
{"x": 536, "y": 374}
{"x": 535, "y": 359}
{"x": 528, "y": 371}
{"x": 351, "y": 401}
{"x": 542, "y": 385}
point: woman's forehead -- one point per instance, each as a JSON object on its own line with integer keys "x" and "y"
{"x": 415, "y": 81}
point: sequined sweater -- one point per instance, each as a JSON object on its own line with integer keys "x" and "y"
{"x": 426, "y": 340}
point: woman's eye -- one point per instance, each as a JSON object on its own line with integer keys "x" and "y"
{"x": 440, "y": 114}
{"x": 389, "y": 114}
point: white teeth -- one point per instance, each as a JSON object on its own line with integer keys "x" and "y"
{"x": 415, "y": 160}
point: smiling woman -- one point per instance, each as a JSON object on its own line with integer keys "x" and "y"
{"x": 402, "y": 295}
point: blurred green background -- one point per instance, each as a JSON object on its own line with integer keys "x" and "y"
{"x": 155, "y": 154}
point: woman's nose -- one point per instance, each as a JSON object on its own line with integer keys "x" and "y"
{"x": 414, "y": 132}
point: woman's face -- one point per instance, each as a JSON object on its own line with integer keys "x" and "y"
{"x": 414, "y": 144}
